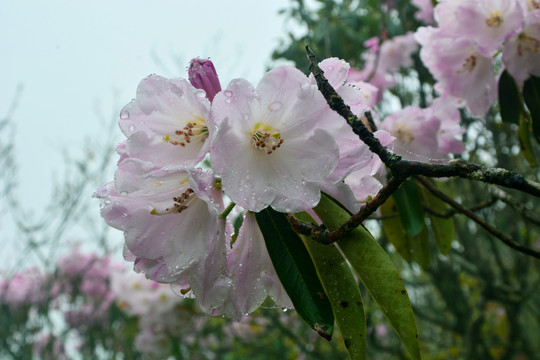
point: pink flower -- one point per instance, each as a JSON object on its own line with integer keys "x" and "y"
{"x": 366, "y": 179}
{"x": 169, "y": 216}
{"x": 521, "y": 53}
{"x": 449, "y": 135}
{"x": 460, "y": 70}
{"x": 166, "y": 123}
{"x": 384, "y": 60}
{"x": 24, "y": 288}
{"x": 427, "y": 135}
{"x": 396, "y": 52}
{"x": 425, "y": 11}
{"x": 271, "y": 148}
{"x": 489, "y": 23}
{"x": 360, "y": 96}
{"x": 203, "y": 75}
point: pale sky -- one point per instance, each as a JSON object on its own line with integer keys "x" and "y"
{"x": 75, "y": 56}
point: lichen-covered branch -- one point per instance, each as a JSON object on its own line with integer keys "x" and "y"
{"x": 405, "y": 168}
{"x": 400, "y": 170}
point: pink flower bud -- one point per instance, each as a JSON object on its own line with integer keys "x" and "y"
{"x": 203, "y": 75}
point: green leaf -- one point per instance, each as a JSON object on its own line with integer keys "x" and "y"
{"x": 525, "y": 143}
{"x": 394, "y": 231}
{"x": 342, "y": 291}
{"x": 296, "y": 271}
{"x": 531, "y": 94}
{"x": 377, "y": 273}
{"x": 411, "y": 248}
{"x": 409, "y": 207}
{"x": 510, "y": 102}
{"x": 420, "y": 248}
{"x": 443, "y": 228}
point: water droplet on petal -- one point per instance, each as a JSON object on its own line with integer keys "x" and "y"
{"x": 228, "y": 93}
{"x": 131, "y": 128}
{"x": 124, "y": 114}
{"x": 228, "y": 100}
{"x": 200, "y": 93}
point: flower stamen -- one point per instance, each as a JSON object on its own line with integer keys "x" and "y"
{"x": 263, "y": 138}
{"x": 180, "y": 204}
{"x": 527, "y": 43}
{"x": 194, "y": 130}
{"x": 495, "y": 20}
{"x": 469, "y": 64}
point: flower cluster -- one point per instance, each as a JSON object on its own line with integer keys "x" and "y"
{"x": 275, "y": 145}
{"x": 462, "y": 51}
{"x": 80, "y": 307}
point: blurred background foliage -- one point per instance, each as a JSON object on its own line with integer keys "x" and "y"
{"x": 478, "y": 300}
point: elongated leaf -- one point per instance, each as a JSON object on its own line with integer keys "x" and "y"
{"x": 524, "y": 135}
{"x": 420, "y": 248}
{"x": 377, "y": 273}
{"x": 443, "y": 228}
{"x": 531, "y": 94}
{"x": 409, "y": 207}
{"x": 394, "y": 231}
{"x": 342, "y": 291}
{"x": 510, "y": 101}
{"x": 296, "y": 271}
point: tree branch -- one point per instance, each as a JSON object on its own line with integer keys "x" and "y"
{"x": 319, "y": 232}
{"x": 506, "y": 239}
{"x": 404, "y": 168}
{"x": 529, "y": 215}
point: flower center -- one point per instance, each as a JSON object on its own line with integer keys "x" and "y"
{"x": 403, "y": 134}
{"x": 193, "y": 131}
{"x": 527, "y": 43}
{"x": 265, "y": 138}
{"x": 180, "y": 204}
{"x": 468, "y": 64}
{"x": 495, "y": 20}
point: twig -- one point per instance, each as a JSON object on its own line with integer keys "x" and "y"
{"x": 321, "y": 234}
{"x": 467, "y": 212}
{"x": 451, "y": 212}
{"x": 519, "y": 207}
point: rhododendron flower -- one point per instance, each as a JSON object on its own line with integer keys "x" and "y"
{"x": 420, "y": 133}
{"x": 166, "y": 123}
{"x": 460, "y": 70}
{"x": 169, "y": 216}
{"x": 357, "y": 94}
{"x": 490, "y": 22}
{"x": 384, "y": 60}
{"x": 139, "y": 296}
{"x": 271, "y": 148}
{"x": 352, "y": 151}
{"x": 24, "y": 288}
{"x": 425, "y": 10}
{"x": 449, "y": 135}
{"x": 521, "y": 53}
{"x": 366, "y": 179}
